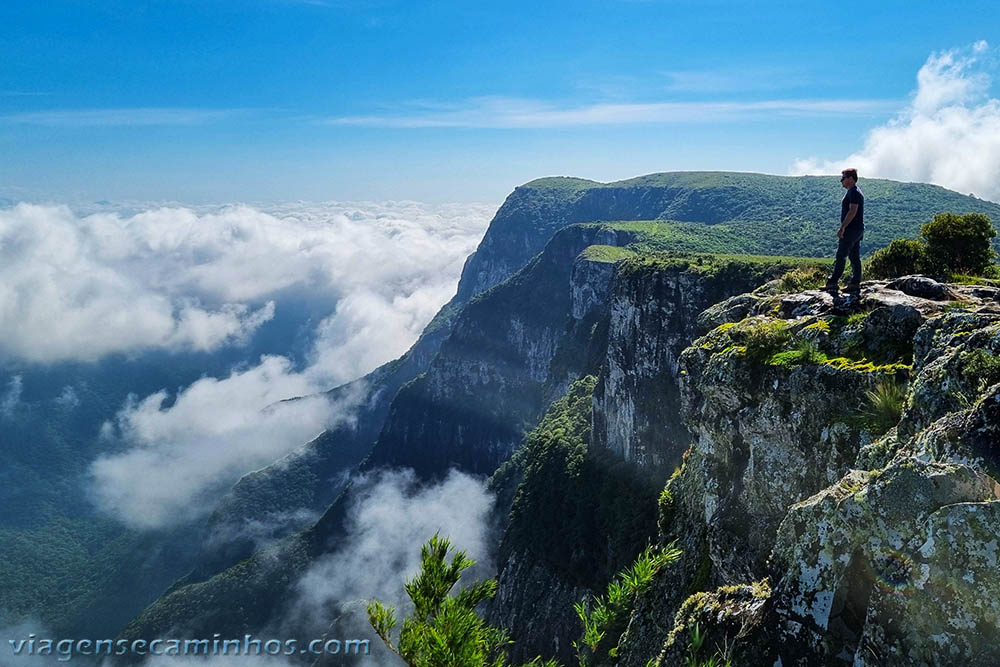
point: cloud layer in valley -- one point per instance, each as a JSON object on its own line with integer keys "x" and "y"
{"x": 181, "y": 458}
{"x": 948, "y": 134}
{"x": 391, "y": 516}
{"x": 77, "y": 287}
{"x": 82, "y": 287}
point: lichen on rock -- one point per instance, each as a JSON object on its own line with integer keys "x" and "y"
{"x": 868, "y": 566}
{"x": 784, "y": 480}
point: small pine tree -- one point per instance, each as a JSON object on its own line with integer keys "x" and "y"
{"x": 444, "y": 630}
{"x": 960, "y": 243}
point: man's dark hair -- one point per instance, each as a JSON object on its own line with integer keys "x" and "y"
{"x": 853, "y": 173}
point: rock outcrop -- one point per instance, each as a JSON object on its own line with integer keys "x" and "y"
{"x": 653, "y": 316}
{"x": 837, "y": 504}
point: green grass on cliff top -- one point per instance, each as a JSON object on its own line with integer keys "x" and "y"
{"x": 669, "y": 258}
{"x": 663, "y": 243}
{"x": 736, "y": 212}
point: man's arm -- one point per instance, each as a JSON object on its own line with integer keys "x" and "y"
{"x": 852, "y": 211}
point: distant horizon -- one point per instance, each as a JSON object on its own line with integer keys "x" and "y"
{"x": 118, "y": 204}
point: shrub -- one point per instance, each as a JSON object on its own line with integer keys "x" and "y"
{"x": 693, "y": 658}
{"x": 901, "y": 257}
{"x": 960, "y": 243}
{"x": 803, "y": 278}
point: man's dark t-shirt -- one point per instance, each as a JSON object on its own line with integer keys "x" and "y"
{"x": 853, "y": 196}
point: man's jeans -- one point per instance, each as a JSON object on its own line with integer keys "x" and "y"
{"x": 849, "y": 247}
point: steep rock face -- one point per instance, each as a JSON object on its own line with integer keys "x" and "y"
{"x": 953, "y": 367}
{"x": 578, "y": 519}
{"x": 512, "y": 351}
{"x": 777, "y": 418}
{"x": 535, "y": 605}
{"x": 578, "y": 513}
{"x": 653, "y": 316}
{"x": 764, "y": 438}
{"x": 895, "y": 566}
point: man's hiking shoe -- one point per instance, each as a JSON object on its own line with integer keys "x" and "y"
{"x": 853, "y": 287}
{"x": 831, "y": 286}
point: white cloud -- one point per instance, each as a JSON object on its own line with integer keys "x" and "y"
{"x": 75, "y": 288}
{"x": 949, "y": 133}
{"x": 81, "y": 287}
{"x": 383, "y": 268}
{"x": 183, "y": 457}
{"x": 504, "y": 112}
{"x": 12, "y": 396}
{"x": 68, "y": 398}
{"x": 391, "y": 516}
{"x": 117, "y": 117}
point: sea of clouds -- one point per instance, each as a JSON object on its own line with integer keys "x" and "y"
{"x": 948, "y": 134}
{"x": 78, "y": 286}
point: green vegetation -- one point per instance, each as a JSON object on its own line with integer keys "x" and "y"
{"x": 884, "y": 406}
{"x": 606, "y": 253}
{"x": 719, "y": 608}
{"x": 762, "y": 339}
{"x": 804, "y": 278}
{"x": 444, "y": 630}
{"x": 960, "y": 243}
{"x": 855, "y": 319}
{"x": 806, "y": 352}
{"x": 605, "y": 619}
{"x": 582, "y": 511}
{"x": 863, "y": 365}
{"x": 665, "y": 510}
{"x": 696, "y": 642}
{"x": 742, "y": 212}
{"x": 966, "y": 279}
{"x": 818, "y": 325}
{"x": 647, "y": 259}
{"x": 981, "y": 370}
{"x": 951, "y": 245}
{"x": 693, "y": 238}
{"x": 901, "y": 257}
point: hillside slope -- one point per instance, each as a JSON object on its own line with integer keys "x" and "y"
{"x": 543, "y": 302}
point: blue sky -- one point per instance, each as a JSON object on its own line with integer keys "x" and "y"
{"x": 252, "y": 100}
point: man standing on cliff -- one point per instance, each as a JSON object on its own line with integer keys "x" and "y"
{"x": 852, "y": 229}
